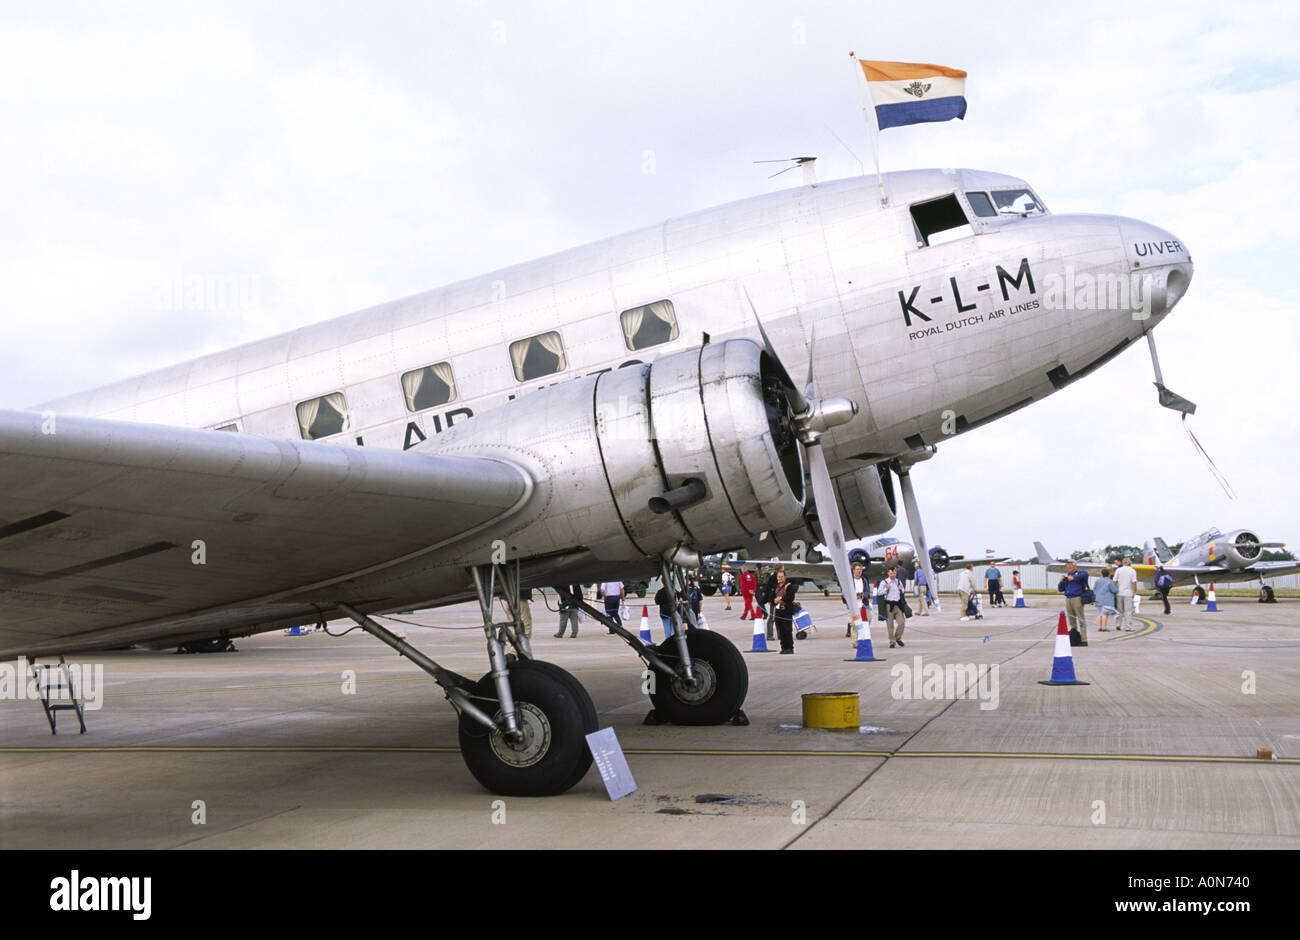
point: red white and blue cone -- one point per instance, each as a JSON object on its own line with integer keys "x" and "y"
{"x": 1210, "y": 603}
{"x": 760, "y": 637}
{"x": 1063, "y": 663}
{"x": 646, "y": 638}
{"x": 864, "y": 653}
{"x": 1020, "y": 597}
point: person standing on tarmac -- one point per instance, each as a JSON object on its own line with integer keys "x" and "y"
{"x": 748, "y": 584}
{"x": 1164, "y": 584}
{"x": 966, "y": 590}
{"x": 784, "y": 608}
{"x": 892, "y": 591}
{"x": 1072, "y": 584}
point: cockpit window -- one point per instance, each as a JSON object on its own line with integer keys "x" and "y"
{"x": 940, "y": 220}
{"x": 981, "y": 205}
{"x": 1017, "y": 202}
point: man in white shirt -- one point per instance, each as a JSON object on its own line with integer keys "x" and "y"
{"x": 892, "y": 589}
{"x": 965, "y": 588}
{"x": 1126, "y": 580}
{"x": 612, "y": 591}
{"x": 859, "y": 588}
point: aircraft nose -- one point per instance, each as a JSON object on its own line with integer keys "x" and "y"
{"x": 1163, "y": 262}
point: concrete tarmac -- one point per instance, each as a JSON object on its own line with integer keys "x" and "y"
{"x": 267, "y": 748}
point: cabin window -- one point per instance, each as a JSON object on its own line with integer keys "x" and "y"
{"x": 981, "y": 205}
{"x": 227, "y": 427}
{"x": 322, "y": 417}
{"x": 538, "y": 356}
{"x": 429, "y": 387}
{"x": 940, "y": 220}
{"x": 1017, "y": 202}
{"x": 649, "y": 325}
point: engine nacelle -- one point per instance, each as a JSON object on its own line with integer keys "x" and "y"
{"x": 1238, "y": 548}
{"x": 939, "y": 559}
{"x": 866, "y": 498}
{"x": 697, "y": 448}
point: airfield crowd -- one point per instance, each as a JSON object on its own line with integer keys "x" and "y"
{"x": 769, "y": 595}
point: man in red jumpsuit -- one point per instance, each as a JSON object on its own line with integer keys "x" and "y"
{"x": 748, "y": 583}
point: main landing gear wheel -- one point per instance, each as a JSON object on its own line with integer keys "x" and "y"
{"x": 1198, "y": 592}
{"x": 722, "y": 681}
{"x": 555, "y": 714}
{"x": 1266, "y": 595}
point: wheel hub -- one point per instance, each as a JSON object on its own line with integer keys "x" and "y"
{"x": 701, "y": 690}
{"x": 534, "y": 740}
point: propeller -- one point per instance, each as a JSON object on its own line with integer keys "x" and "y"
{"x": 813, "y": 417}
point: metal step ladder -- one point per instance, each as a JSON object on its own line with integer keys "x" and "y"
{"x": 53, "y": 680}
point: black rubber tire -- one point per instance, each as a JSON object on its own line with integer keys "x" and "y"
{"x": 708, "y": 590}
{"x": 1266, "y": 595}
{"x": 726, "y": 689}
{"x": 1199, "y": 593}
{"x": 557, "y": 705}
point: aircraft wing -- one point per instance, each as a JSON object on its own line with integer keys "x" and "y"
{"x": 114, "y": 533}
{"x": 1266, "y": 569}
{"x": 803, "y": 570}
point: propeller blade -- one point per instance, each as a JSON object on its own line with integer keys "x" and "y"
{"x": 810, "y": 390}
{"x": 797, "y": 400}
{"x": 828, "y": 514}
{"x": 918, "y": 531}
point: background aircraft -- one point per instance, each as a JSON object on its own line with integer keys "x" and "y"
{"x": 1211, "y": 557}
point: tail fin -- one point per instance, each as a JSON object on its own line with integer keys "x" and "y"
{"x": 1044, "y": 556}
{"x": 1162, "y": 550}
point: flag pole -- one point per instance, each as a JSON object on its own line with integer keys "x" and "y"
{"x": 871, "y": 132}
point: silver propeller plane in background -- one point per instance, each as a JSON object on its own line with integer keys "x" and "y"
{"x": 1212, "y": 557}
{"x": 616, "y": 410}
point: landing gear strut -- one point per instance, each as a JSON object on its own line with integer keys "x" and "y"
{"x": 700, "y": 677}
{"x": 523, "y": 725}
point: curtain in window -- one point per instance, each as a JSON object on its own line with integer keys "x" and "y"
{"x": 307, "y": 412}
{"x": 631, "y": 324}
{"x": 411, "y": 383}
{"x": 518, "y": 353}
{"x": 552, "y": 344}
{"x": 443, "y": 371}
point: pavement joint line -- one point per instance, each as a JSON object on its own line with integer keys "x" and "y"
{"x": 645, "y": 752}
{"x": 245, "y": 688}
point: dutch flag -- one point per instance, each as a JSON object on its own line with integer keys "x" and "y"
{"x": 914, "y": 93}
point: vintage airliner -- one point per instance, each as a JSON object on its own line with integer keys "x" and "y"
{"x": 617, "y": 409}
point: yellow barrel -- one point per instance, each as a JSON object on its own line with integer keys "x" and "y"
{"x": 834, "y": 711}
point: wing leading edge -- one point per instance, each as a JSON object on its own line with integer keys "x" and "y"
{"x": 119, "y": 532}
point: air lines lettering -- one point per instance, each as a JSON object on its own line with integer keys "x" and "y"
{"x": 919, "y": 312}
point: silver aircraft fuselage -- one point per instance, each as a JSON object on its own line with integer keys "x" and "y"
{"x": 930, "y": 340}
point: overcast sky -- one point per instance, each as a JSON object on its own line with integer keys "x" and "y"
{"x": 329, "y": 156}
